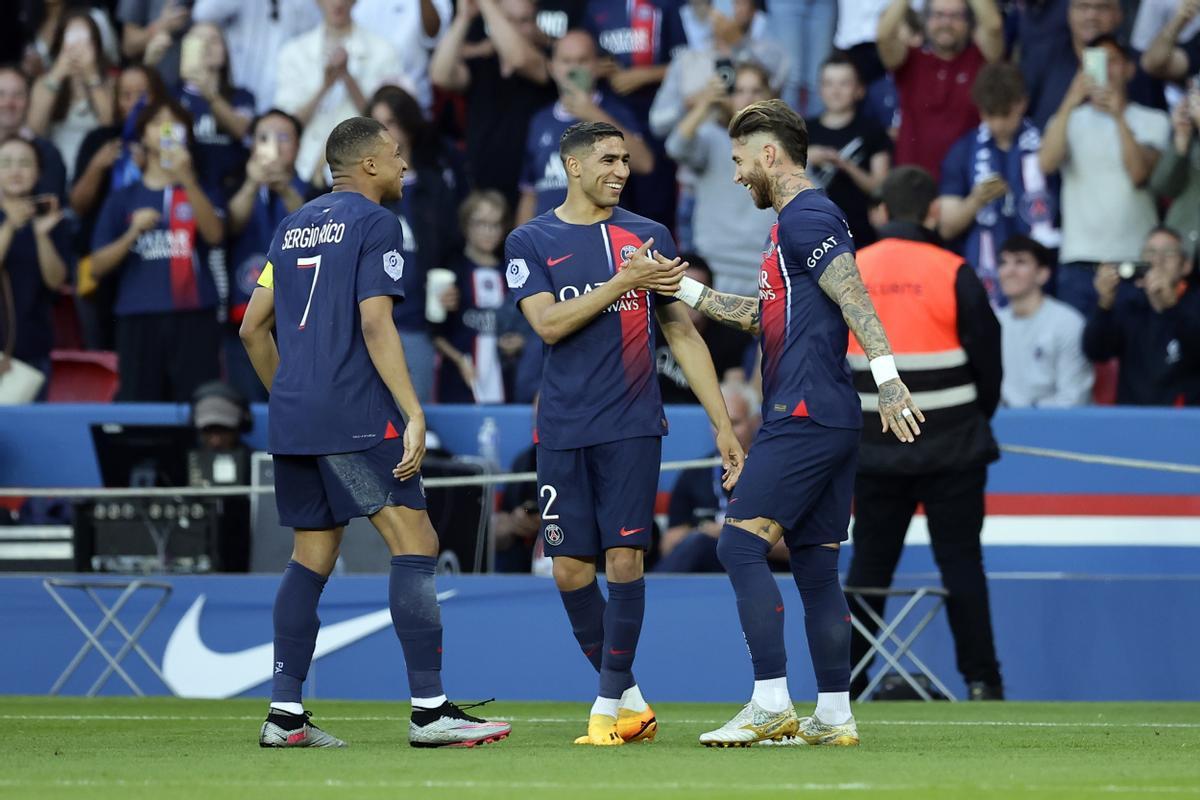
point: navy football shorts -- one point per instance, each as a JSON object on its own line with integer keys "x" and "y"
{"x": 322, "y": 492}
{"x": 801, "y": 475}
{"x": 599, "y": 497}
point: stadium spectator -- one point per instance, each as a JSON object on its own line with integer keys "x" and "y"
{"x": 43, "y": 23}
{"x": 516, "y": 525}
{"x": 76, "y": 95}
{"x": 699, "y": 22}
{"x": 108, "y": 159}
{"x": 857, "y": 26}
{"x": 934, "y": 82}
{"x": 1176, "y": 176}
{"x": 255, "y": 31}
{"x": 556, "y": 17}
{"x": 162, "y": 236}
{"x": 151, "y": 30}
{"x": 270, "y": 191}
{"x": 573, "y": 69}
{"x": 848, "y": 154}
{"x": 1041, "y": 338}
{"x": 35, "y": 254}
{"x": 726, "y": 346}
{"x": 504, "y": 77}
{"x": 469, "y": 339}
{"x": 947, "y": 342}
{"x": 413, "y": 29}
{"x": 691, "y": 71}
{"x": 808, "y": 27}
{"x": 1154, "y": 332}
{"x": 1169, "y": 56}
{"x": 326, "y": 75}
{"x": 1105, "y": 147}
{"x": 881, "y": 103}
{"x": 221, "y": 112}
{"x": 426, "y": 210}
{"x": 992, "y": 187}
{"x": 729, "y": 229}
{"x": 1154, "y": 16}
{"x": 698, "y": 501}
{"x": 14, "y": 108}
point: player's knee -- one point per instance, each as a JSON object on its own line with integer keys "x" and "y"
{"x": 572, "y": 573}
{"x": 623, "y": 564}
{"x": 814, "y": 568}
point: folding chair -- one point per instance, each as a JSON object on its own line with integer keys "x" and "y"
{"x": 110, "y": 618}
{"x": 889, "y": 633}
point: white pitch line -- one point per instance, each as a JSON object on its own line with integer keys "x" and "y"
{"x": 574, "y": 720}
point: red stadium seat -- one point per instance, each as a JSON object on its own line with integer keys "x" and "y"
{"x": 68, "y": 332}
{"x": 83, "y": 376}
{"x": 1104, "y": 390}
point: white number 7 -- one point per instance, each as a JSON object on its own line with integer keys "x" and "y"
{"x": 314, "y": 264}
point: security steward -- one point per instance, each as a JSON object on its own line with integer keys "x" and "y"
{"x": 946, "y": 341}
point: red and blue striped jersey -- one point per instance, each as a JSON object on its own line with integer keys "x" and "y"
{"x": 598, "y": 384}
{"x": 804, "y": 336}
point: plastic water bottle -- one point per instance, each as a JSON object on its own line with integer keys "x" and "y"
{"x": 488, "y": 449}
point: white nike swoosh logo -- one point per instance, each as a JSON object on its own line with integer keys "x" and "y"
{"x": 191, "y": 669}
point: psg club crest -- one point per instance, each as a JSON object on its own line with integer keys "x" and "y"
{"x": 516, "y": 273}
{"x": 183, "y": 212}
{"x": 627, "y": 252}
{"x": 554, "y": 535}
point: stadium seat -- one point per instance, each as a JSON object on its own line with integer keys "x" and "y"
{"x": 1104, "y": 390}
{"x": 83, "y": 376}
{"x": 68, "y": 332}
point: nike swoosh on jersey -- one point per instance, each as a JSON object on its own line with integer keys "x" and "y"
{"x": 550, "y": 262}
{"x": 192, "y": 669}
{"x": 632, "y": 532}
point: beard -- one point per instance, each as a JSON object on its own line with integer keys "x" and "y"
{"x": 760, "y": 189}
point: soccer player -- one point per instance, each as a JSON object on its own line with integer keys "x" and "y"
{"x": 347, "y": 432}
{"x": 582, "y": 279}
{"x": 799, "y": 478}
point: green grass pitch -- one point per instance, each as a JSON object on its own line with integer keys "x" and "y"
{"x": 171, "y": 749}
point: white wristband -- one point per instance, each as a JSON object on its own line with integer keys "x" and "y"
{"x": 883, "y": 369}
{"x": 690, "y": 290}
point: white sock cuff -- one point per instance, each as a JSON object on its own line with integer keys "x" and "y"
{"x": 288, "y": 708}
{"x": 428, "y": 702}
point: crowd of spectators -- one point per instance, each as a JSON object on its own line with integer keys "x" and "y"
{"x": 149, "y": 148}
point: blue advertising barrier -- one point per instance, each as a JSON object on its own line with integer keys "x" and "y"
{"x": 1125, "y": 638}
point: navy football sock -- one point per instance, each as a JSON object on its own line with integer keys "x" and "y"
{"x": 826, "y": 615}
{"x": 296, "y": 626}
{"x": 760, "y": 606}
{"x": 622, "y": 628}
{"x": 585, "y": 609}
{"x": 418, "y": 622}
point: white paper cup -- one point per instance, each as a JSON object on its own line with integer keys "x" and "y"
{"x": 437, "y": 280}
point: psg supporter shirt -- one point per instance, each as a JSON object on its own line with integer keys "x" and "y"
{"x": 935, "y": 105}
{"x": 33, "y": 301}
{"x": 598, "y": 384}
{"x": 804, "y": 337}
{"x": 543, "y": 170}
{"x": 473, "y": 329}
{"x": 637, "y": 33}
{"x": 169, "y": 268}
{"x": 220, "y": 158}
{"x": 327, "y": 397}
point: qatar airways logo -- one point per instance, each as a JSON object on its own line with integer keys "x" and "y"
{"x": 765, "y": 290}
{"x": 630, "y": 301}
{"x": 623, "y": 41}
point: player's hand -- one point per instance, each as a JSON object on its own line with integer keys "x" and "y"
{"x": 414, "y": 450}
{"x": 655, "y": 274}
{"x": 898, "y": 412}
{"x": 733, "y": 458}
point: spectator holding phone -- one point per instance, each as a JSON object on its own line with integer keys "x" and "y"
{"x": 35, "y": 253}
{"x": 573, "y": 69}
{"x": 848, "y": 153}
{"x": 161, "y": 237}
{"x": 1148, "y": 317}
{"x": 76, "y": 95}
{"x": 14, "y": 111}
{"x": 1105, "y": 148}
{"x": 151, "y": 31}
{"x": 270, "y": 191}
{"x": 1177, "y": 174}
{"x": 221, "y": 112}
{"x": 992, "y": 187}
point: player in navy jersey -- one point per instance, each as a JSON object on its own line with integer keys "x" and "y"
{"x": 799, "y": 478}
{"x": 340, "y": 397}
{"x": 582, "y": 278}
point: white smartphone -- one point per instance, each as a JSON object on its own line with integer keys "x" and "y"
{"x": 1095, "y": 65}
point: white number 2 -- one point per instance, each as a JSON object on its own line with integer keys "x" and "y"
{"x": 553, "y": 495}
{"x": 314, "y": 264}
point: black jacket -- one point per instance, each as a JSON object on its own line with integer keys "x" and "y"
{"x": 953, "y": 438}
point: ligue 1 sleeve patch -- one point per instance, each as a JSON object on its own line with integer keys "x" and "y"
{"x": 393, "y": 264}
{"x": 516, "y": 273}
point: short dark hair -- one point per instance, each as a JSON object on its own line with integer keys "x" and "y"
{"x": 1019, "y": 243}
{"x": 1109, "y": 39}
{"x": 777, "y": 119}
{"x": 351, "y": 140}
{"x": 278, "y": 112}
{"x": 840, "y": 58}
{"x": 584, "y": 135}
{"x": 998, "y": 89}
{"x": 907, "y": 193}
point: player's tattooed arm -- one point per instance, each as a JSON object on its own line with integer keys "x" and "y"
{"x": 733, "y": 310}
{"x": 842, "y": 282}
